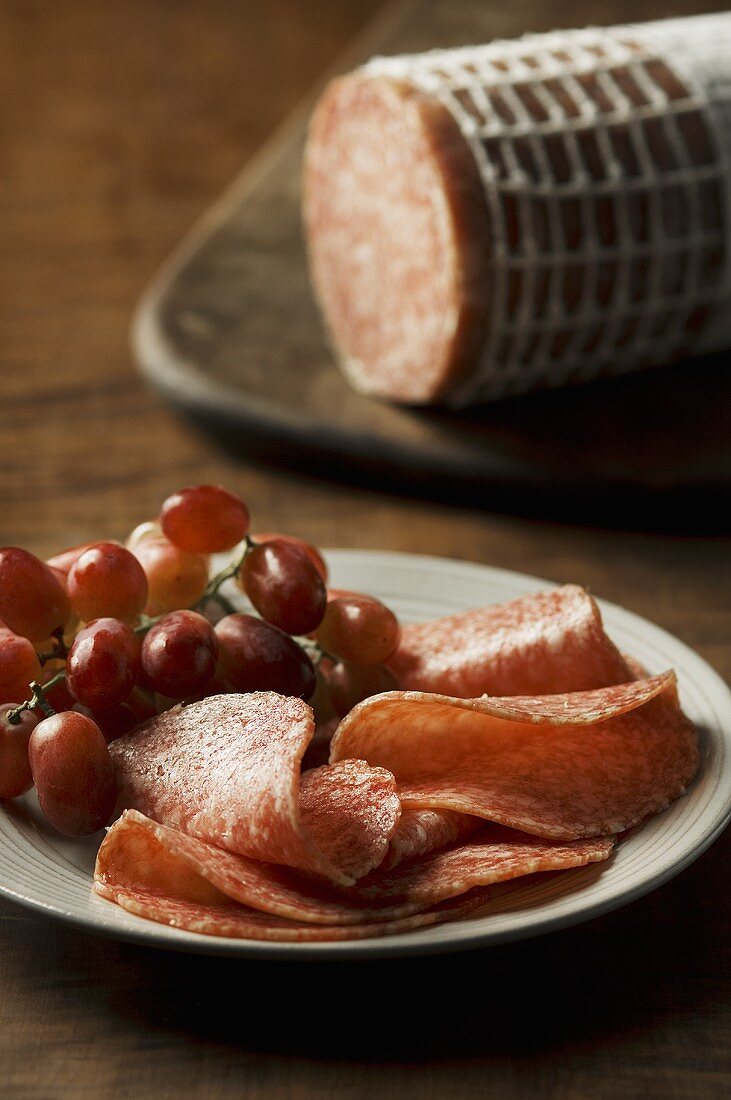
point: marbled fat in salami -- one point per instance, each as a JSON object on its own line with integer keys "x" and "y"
{"x": 422, "y": 831}
{"x": 563, "y": 766}
{"x": 227, "y": 770}
{"x": 363, "y": 216}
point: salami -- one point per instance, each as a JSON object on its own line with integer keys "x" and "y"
{"x": 227, "y": 770}
{"x": 493, "y": 219}
{"x": 422, "y": 831}
{"x": 148, "y": 855}
{"x": 543, "y": 643}
{"x": 389, "y": 305}
{"x": 562, "y": 766}
{"x": 429, "y": 799}
{"x": 231, "y": 921}
{"x": 494, "y": 855}
{"x": 166, "y": 876}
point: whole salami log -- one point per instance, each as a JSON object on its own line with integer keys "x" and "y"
{"x": 494, "y": 219}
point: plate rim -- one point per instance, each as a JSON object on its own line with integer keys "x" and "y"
{"x": 442, "y": 939}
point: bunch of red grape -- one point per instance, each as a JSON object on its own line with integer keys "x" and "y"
{"x": 102, "y": 637}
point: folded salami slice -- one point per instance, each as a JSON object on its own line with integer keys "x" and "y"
{"x": 422, "y": 831}
{"x": 166, "y": 876}
{"x": 562, "y": 766}
{"x": 145, "y": 854}
{"x": 227, "y": 770}
{"x": 546, "y": 642}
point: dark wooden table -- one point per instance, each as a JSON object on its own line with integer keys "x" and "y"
{"x": 121, "y": 122}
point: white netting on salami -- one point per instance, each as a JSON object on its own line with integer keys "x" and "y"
{"x": 605, "y": 156}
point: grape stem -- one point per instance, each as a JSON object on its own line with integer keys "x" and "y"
{"x": 211, "y": 591}
{"x": 60, "y": 649}
{"x": 226, "y": 574}
{"x": 37, "y": 700}
{"x": 315, "y": 652}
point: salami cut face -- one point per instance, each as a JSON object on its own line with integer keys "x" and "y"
{"x": 233, "y": 921}
{"x": 493, "y": 855}
{"x": 398, "y": 251}
{"x": 140, "y": 852}
{"x": 563, "y": 766}
{"x": 422, "y": 831}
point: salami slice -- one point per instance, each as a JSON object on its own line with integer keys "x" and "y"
{"x": 494, "y": 855}
{"x": 140, "y": 852}
{"x": 546, "y": 642}
{"x": 227, "y": 770}
{"x": 422, "y": 831}
{"x": 164, "y": 875}
{"x": 564, "y": 766}
{"x": 226, "y": 919}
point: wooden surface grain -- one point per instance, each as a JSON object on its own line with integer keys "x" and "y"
{"x": 120, "y": 123}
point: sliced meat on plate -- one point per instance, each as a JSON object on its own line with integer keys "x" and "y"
{"x": 561, "y": 766}
{"x": 174, "y": 879}
{"x": 227, "y": 770}
{"x": 546, "y": 642}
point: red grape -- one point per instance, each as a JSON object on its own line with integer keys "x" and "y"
{"x": 141, "y": 704}
{"x": 336, "y": 593}
{"x": 320, "y": 700}
{"x": 175, "y": 578}
{"x": 217, "y": 685}
{"x": 113, "y": 722}
{"x": 63, "y": 561}
{"x": 32, "y": 599}
{"x": 284, "y": 586}
{"x": 359, "y": 629}
{"x": 179, "y": 654}
{"x": 143, "y": 531}
{"x": 204, "y": 519}
{"x": 351, "y": 684}
{"x": 73, "y": 773}
{"x": 312, "y": 552}
{"x": 256, "y": 656}
{"x": 103, "y": 663}
{"x": 19, "y": 665}
{"x": 107, "y": 579}
{"x": 15, "y": 773}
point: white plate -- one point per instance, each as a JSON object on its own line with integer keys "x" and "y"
{"x": 45, "y": 871}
